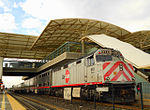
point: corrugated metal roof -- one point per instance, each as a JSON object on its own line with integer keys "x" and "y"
{"x": 140, "y": 39}
{"x": 18, "y": 46}
{"x": 60, "y": 31}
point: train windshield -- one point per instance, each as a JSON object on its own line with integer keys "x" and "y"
{"x": 100, "y": 58}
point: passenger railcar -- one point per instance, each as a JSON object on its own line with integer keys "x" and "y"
{"x": 104, "y": 70}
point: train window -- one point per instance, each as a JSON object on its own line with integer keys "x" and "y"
{"x": 103, "y": 58}
{"x": 78, "y": 62}
{"x": 90, "y": 61}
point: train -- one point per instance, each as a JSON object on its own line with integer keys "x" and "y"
{"x": 103, "y": 75}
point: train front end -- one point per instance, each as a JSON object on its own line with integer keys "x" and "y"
{"x": 118, "y": 76}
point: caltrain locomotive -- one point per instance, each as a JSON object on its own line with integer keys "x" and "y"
{"x": 104, "y": 71}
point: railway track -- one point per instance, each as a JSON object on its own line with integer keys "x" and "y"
{"x": 32, "y": 104}
{"x": 76, "y": 104}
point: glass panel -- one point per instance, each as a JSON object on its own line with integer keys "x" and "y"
{"x": 103, "y": 58}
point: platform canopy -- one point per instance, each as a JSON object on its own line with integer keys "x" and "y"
{"x": 60, "y": 31}
{"x": 19, "y": 46}
{"x": 140, "y": 39}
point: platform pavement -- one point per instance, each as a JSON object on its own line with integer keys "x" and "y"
{"x": 7, "y": 102}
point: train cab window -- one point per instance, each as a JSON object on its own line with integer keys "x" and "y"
{"x": 103, "y": 58}
{"x": 90, "y": 61}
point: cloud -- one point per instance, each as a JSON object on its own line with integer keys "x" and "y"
{"x": 15, "y": 5}
{"x": 7, "y": 22}
{"x": 135, "y": 25}
{"x": 127, "y": 14}
{"x": 3, "y": 5}
{"x": 33, "y": 32}
{"x": 32, "y": 23}
{"x": 47, "y": 9}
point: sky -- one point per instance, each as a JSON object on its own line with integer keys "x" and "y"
{"x": 31, "y": 16}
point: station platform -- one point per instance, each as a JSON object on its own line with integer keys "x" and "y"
{"x": 7, "y": 102}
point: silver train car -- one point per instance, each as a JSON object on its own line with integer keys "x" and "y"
{"x": 103, "y": 71}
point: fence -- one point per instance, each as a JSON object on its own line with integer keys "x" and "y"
{"x": 122, "y": 96}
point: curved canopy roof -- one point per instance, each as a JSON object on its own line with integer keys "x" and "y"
{"x": 140, "y": 39}
{"x": 60, "y": 31}
{"x": 18, "y": 46}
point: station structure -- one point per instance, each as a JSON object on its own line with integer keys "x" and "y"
{"x": 60, "y": 41}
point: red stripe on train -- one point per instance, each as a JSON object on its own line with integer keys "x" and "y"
{"x": 115, "y": 66}
{"x": 111, "y": 70}
{"x": 119, "y": 74}
{"x": 131, "y": 66}
{"x": 41, "y": 87}
{"x": 125, "y": 66}
{"x": 105, "y": 65}
{"x": 92, "y": 83}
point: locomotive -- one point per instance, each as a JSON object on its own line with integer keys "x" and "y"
{"x": 98, "y": 75}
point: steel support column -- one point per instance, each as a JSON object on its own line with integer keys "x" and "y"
{"x": 83, "y": 46}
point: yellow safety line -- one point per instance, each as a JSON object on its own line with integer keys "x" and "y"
{"x": 3, "y": 102}
{"x": 14, "y": 103}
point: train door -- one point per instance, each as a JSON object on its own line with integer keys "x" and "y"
{"x": 91, "y": 70}
{"x": 80, "y": 71}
